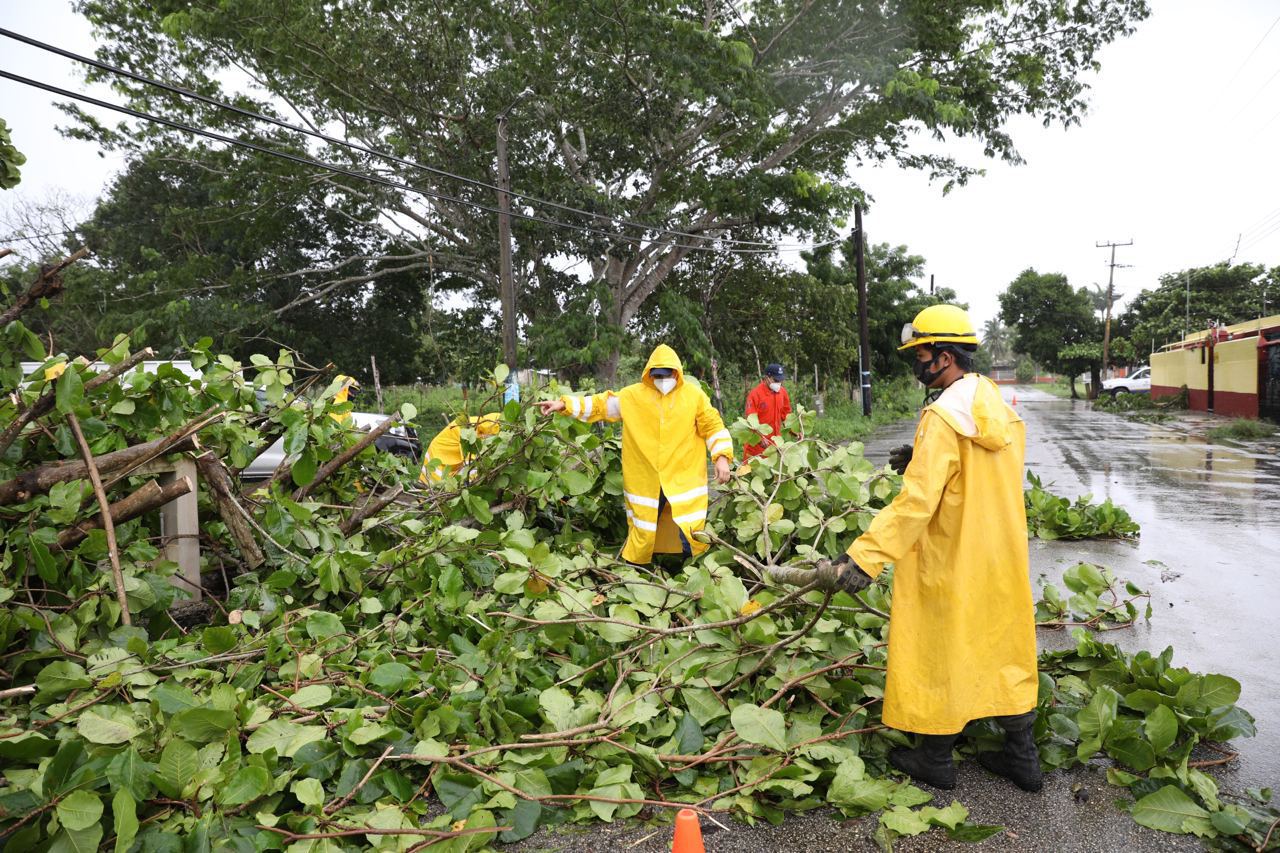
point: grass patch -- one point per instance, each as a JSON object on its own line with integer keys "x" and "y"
{"x": 896, "y": 400}
{"x": 1242, "y": 429}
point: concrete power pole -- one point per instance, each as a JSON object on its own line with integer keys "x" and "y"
{"x": 1111, "y": 281}
{"x": 506, "y": 279}
{"x": 864, "y": 344}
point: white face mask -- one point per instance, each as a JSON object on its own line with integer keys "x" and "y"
{"x": 775, "y": 387}
{"x": 665, "y": 385}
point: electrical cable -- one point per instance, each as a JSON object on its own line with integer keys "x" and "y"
{"x": 533, "y": 200}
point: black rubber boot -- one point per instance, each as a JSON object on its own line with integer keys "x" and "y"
{"x": 1019, "y": 761}
{"x": 930, "y": 762}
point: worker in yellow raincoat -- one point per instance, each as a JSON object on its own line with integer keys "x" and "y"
{"x": 668, "y": 428}
{"x": 962, "y": 640}
{"x": 444, "y": 454}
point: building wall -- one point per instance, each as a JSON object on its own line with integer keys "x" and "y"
{"x": 1235, "y": 378}
{"x": 1169, "y": 371}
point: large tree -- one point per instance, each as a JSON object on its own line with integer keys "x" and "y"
{"x": 1189, "y": 300}
{"x": 1053, "y": 322}
{"x": 743, "y": 121}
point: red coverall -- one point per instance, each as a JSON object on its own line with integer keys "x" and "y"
{"x": 772, "y": 408}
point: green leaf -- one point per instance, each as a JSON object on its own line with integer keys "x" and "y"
{"x": 392, "y": 677}
{"x": 1133, "y": 752}
{"x": 218, "y": 639}
{"x": 1169, "y": 810}
{"x": 322, "y": 625}
{"x": 576, "y": 482}
{"x": 173, "y": 697}
{"x": 247, "y": 785}
{"x": 1232, "y": 820}
{"x": 523, "y": 820}
{"x": 178, "y": 765}
{"x": 107, "y": 724}
{"x": 1209, "y": 692}
{"x": 203, "y": 725}
{"x": 689, "y": 737}
{"x": 124, "y": 810}
{"x": 762, "y": 726}
{"x": 284, "y": 736}
{"x": 61, "y": 677}
{"x": 308, "y": 791}
{"x": 77, "y": 840}
{"x": 904, "y": 821}
{"x": 312, "y": 696}
{"x": 70, "y": 391}
{"x": 79, "y": 810}
{"x": 973, "y": 833}
{"x": 557, "y": 707}
{"x": 1161, "y": 727}
{"x": 304, "y": 468}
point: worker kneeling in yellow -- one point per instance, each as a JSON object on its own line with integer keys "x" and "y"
{"x": 668, "y": 428}
{"x": 444, "y": 454}
{"x": 962, "y": 637}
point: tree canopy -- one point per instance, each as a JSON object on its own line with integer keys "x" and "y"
{"x": 1200, "y": 295}
{"x": 744, "y": 123}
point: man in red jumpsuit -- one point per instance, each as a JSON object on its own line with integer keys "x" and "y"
{"x": 770, "y": 402}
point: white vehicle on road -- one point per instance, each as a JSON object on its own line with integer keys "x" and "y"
{"x": 1138, "y": 382}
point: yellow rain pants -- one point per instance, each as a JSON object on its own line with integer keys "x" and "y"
{"x": 962, "y": 637}
{"x": 444, "y": 453}
{"x": 665, "y": 442}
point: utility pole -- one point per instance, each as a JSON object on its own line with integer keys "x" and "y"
{"x": 506, "y": 280}
{"x": 864, "y": 345}
{"x": 1111, "y": 281}
{"x": 931, "y": 284}
{"x": 1186, "y": 324}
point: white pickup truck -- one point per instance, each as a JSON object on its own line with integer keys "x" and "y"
{"x": 1138, "y": 382}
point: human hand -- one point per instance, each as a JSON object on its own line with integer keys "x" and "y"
{"x": 900, "y": 457}
{"x": 722, "y": 470}
{"x": 550, "y": 407}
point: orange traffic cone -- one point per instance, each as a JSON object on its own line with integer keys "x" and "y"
{"x": 688, "y": 833}
{"x": 1015, "y": 401}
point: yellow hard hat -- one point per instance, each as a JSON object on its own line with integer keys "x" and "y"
{"x": 939, "y": 324}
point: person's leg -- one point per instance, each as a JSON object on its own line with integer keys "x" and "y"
{"x": 930, "y": 762}
{"x": 1019, "y": 761}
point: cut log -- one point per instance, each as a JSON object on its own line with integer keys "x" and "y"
{"x": 346, "y": 456}
{"x": 39, "y": 480}
{"x": 47, "y": 285}
{"x": 233, "y": 515}
{"x": 44, "y": 405}
{"x": 151, "y": 496}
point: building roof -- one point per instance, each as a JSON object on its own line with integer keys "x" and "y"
{"x": 1248, "y": 328}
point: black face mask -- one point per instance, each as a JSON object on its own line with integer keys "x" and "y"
{"x": 926, "y": 376}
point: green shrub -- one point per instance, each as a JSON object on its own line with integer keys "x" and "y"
{"x": 1242, "y": 429}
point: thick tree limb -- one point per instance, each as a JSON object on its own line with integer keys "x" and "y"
{"x": 40, "y": 480}
{"x": 44, "y": 405}
{"x": 47, "y": 285}
{"x": 112, "y": 550}
{"x": 147, "y": 498}
{"x": 224, "y": 500}
{"x": 346, "y": 456}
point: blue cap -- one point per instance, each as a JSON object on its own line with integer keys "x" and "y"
{"x": 775, "y": 371}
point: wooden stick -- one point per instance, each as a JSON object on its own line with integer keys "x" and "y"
{"x": 24, "y": 690}
{"x": 346, "y": 456}
{"x": 46, "y": 402}
{"x": 47, "y": 285}
{"x": 112, "y": 550}
{"x": 5, "y": 252}
{"x": 371, "y": 506}
{"x": 150, "y": 496}
{"x": 220, "y": 489}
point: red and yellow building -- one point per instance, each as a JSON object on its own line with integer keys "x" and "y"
{"x": 1229, "y": 370}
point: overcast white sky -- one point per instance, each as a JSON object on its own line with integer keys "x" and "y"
{"x": 1180, "y": 151}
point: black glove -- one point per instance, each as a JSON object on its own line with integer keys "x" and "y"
{"x": 900, "y": 458}
{"x": 842, "y": 575}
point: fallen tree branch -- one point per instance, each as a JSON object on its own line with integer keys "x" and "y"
{"x": 373, "y": 504}
{"x": 24, "y": 690}
{"x": 44, "y": 405}
{"x": 47, "y": 285}
{"x": 346, "y": 456}
{"x": 112, "y": 550}
{"x": 224, "y": 500}
{"x": 148, "y": 497}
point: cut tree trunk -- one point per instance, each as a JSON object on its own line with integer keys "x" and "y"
{"x": 373, "y": 504}
{"x": 233, "y": 515}
{"x": 346, "y": 456}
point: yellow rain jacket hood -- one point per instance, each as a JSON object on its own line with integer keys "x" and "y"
{"x": 962, "y": 641}
{"x": 665, "y": 442}
{"x": 444, "y": 453}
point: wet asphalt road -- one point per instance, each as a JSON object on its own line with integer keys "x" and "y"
{"x": 1209, "y": 554}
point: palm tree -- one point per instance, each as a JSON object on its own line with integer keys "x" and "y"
{"x": 997, "y": 339}
{"x": 1099, "y": 298}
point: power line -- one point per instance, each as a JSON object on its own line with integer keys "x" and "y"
{"x": 1255, "y": 50}
{"x": 351, "y": 173}
{"x": 333, "y": 140}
